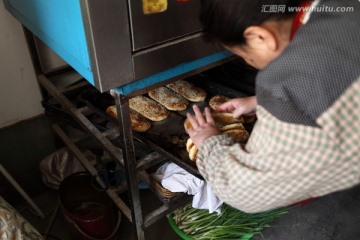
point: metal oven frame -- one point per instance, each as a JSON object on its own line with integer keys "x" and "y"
{"x": 125, "y": 153}
{"x": 97, "y": 38}
{"x": 102, "y": 49}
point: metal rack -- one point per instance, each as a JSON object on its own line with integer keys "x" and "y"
{"x": 122, "y": 151}
{"x": 134, "y": 169}
{"x": 116, "y": 48}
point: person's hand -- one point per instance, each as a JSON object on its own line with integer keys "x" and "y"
{"x": 203, "y": 127}
{"x": 239, "y": 106}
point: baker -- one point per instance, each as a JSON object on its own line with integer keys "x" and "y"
{"x": 306, "y": 140}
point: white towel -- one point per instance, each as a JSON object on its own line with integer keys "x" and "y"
{"x": 177, "y": 179}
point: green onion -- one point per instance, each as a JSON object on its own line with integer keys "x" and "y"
{"x": 199, "y": 224}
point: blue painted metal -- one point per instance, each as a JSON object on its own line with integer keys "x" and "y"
{"x": 59, "y": 24}
{"x": 172, "y": 72}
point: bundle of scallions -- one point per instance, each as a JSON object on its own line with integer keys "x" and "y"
{"x": 199, "y": 224}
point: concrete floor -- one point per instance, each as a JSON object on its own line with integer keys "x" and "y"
{"x": 333, "y": 217}
{"x": 22, "y": 147}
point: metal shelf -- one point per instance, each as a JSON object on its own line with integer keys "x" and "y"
{"x": 112, "y": 141}
{"x": 119, "y": 142}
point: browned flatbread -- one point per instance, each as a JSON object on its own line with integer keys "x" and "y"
{"x": 193, "y": 153}
{"x": 227, "y": 124}
{"x": 187, "y": 124}
{"x": 188, "y": 90}
{"x": 239, "y": 135}
{"x": 189, "y": 144}
{"x": 111, "y": 110}
{"x": 217, "y": 100}
{"x": 249, "y": 118}
{"x": 169, "y": 99}
{"x": 232, "y": 126}
{"x": 235, "y": 130}
{"x": 226, "y": 118}
{"x": 138, "y": 122}
{"x": 221, "y": 119}
{"x": 148, "y": 108}
{"x": 192, "y": 149}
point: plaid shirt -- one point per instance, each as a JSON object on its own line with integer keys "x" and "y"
{"x": 284, "y": 163}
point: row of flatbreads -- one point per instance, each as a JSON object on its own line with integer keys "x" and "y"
{"x": 176, "y": 97}
{"x": 160, "y": 102}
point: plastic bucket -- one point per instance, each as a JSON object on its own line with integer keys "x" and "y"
{"x": 91, "y": 212}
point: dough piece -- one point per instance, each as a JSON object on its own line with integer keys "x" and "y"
{"x": 188, "y": 90}
{"x": 138, "y": 122}
{"x": 217, "y": 100}
{"x": 169, "y": 99}
{"x": 149, "y": 108}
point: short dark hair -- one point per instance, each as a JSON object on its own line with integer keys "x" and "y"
{"x": 226, "y": 20}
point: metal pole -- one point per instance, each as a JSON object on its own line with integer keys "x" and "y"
{"x": 128, "y": 150}
{"x": 21, "y": 191}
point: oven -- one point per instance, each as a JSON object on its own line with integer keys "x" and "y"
{"x": 113, "y": 43}
{"x": 116, "y": 50}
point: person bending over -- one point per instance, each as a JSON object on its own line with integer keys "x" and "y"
{"x": 306, "y": 141}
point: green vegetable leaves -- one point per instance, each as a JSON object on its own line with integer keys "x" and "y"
{"x": 230, "y": 224}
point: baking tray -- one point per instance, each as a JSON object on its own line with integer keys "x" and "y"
{"x": 168, "y": 136}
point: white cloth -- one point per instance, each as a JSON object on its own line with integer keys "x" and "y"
{"x": 177, "y": 179}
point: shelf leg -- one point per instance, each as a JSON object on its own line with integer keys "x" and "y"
{"x": 127, "y": 145}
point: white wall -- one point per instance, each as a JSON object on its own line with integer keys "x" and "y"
{"x": 19, "y": 92}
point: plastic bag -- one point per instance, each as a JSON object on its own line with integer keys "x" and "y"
{"x": 57, "y": 166}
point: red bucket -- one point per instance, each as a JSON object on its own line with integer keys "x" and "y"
{"x": 91, "y": 212}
